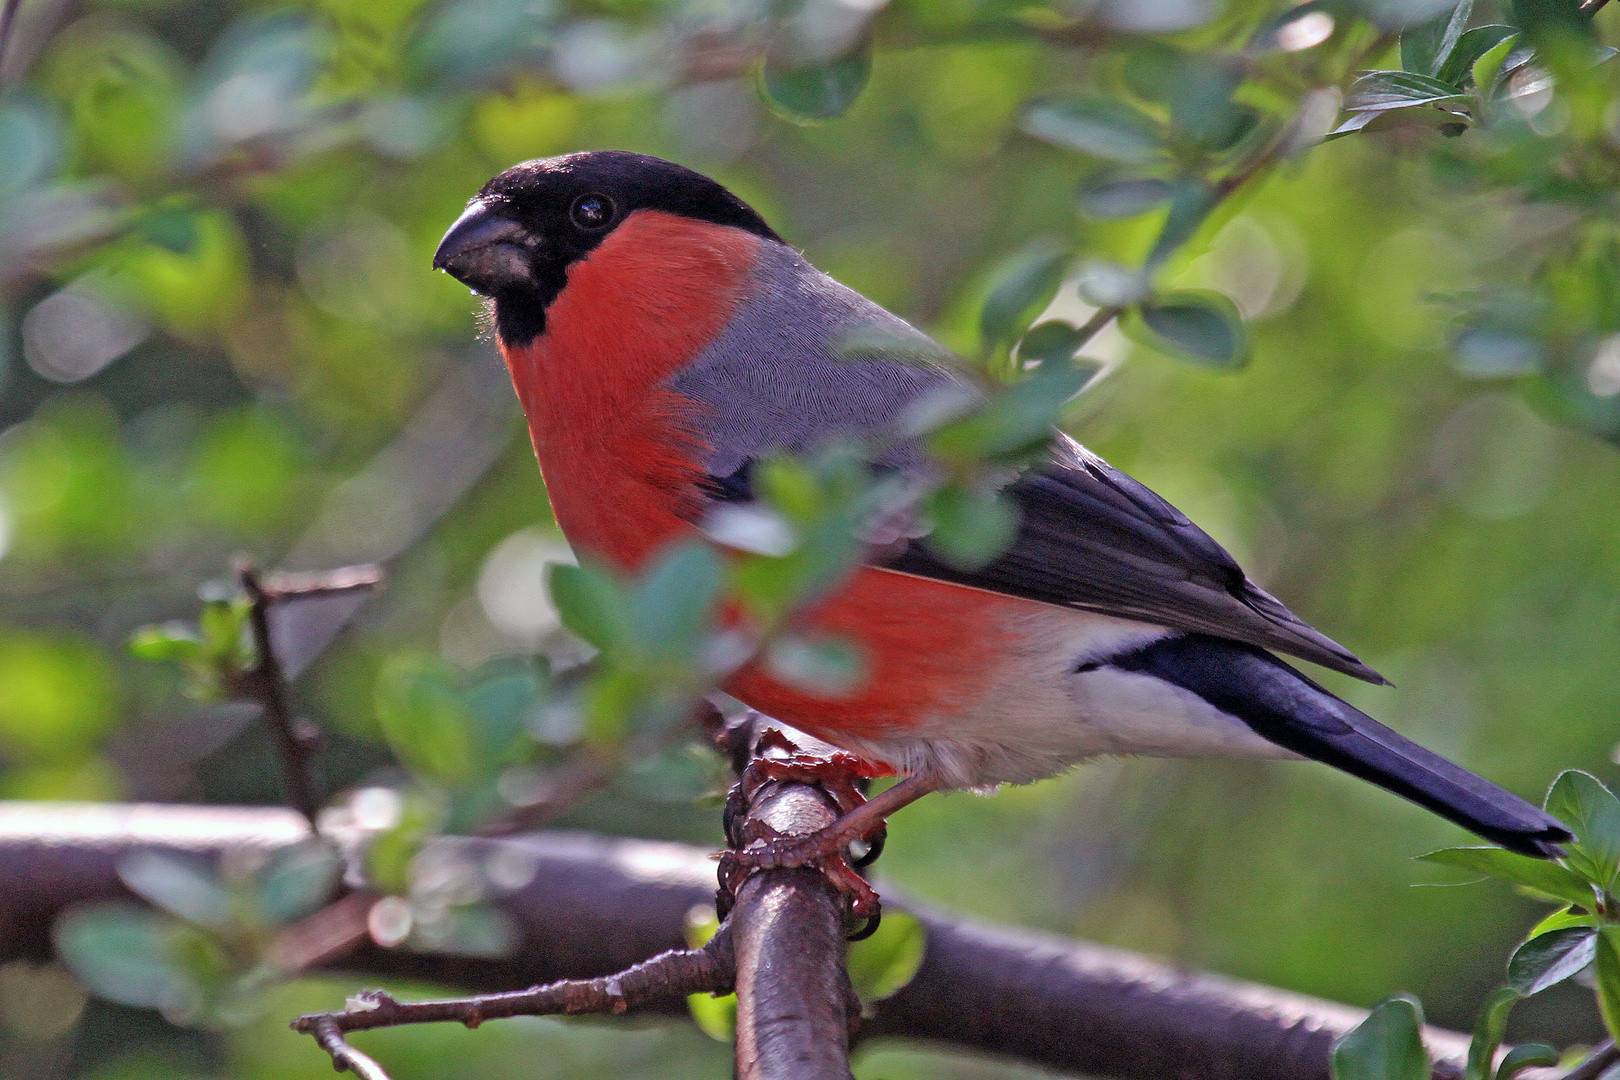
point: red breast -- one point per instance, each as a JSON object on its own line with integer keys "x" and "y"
{"x": 617, "y": 458}
{"x": 621, "y": 469}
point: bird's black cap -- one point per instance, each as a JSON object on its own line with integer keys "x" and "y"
{"x": 518, "y": 236}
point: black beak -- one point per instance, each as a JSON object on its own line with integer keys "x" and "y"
{"x": 486, "y": 251}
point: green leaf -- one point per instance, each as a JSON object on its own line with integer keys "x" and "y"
{"x": 124, "y": 953}
{"x": 1550, "y": 958}
{"x": 1388, "y": 1045}
{"x": 1545, "y": 21}
{"x": 1564, "y": 917}
{"x": 880, "y": 966}
{"x": 1526, "y": 1056}
{"x": 1544, "y": 877}
{"x": 675, "y": 598}
{"x": 715, "y": 1016}
{"x": 1488, "y": 1032}
{"x": 970, "y": 528}
{"x": 812, "y": 94}
{"x": 1380, "y": 91}
{"x": 1593, "y": 815}
{"x": 1189, "y": 207}
{"x": 1109, "y": 196}
{"x": 298, "y": 880}
{"x": 178, "y": 886}
{"x": 1489, "y": 65}
{"x": 221, "y": 628}
{"x": 1025, "y": 284}
{"x": 424, "y": 718}
{"x": 1200, "y": 325}
{"x": 1608, "y": 978}
{"x": 1426, "y": 46}
{"x": 593, "y": 605}
{"x": 1097, "y": 126}
{"x": 1015, "y": 424}
{"x": 1051, "y": 340}
{"x": 172, "y": 641}
{"x": 824, "y": 666}
{"x": 1470, "y": 47}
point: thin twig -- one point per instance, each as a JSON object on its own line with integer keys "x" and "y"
{"x": 266, "y": 683}
{"x": 8, "y": 19}
{"x": 669, "y": 976}
{"x": 1595, "y": 1065}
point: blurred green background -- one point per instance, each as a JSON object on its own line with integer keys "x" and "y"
{"x": 219, "y": 336}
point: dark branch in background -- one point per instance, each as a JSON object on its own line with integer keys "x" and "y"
{"x": 266, "y": 682}
{"x": 593, "y": 906}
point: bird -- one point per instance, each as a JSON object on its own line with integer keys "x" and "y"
{"x": 663, "y": 340}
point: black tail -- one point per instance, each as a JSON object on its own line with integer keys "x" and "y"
{"x": 1287, "y": 708}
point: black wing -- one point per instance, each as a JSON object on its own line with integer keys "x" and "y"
{"x": 1093, "y": 538}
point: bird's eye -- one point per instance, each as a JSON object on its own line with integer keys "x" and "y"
{"x": 591, "y": 212}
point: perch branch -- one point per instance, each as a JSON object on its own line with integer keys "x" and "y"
{"x": 588, "y": 906}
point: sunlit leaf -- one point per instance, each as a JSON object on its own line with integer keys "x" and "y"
{"x": 808, "y": 94}
{"x": 881, "y": 965}
{"x": 169, "y": 642}
{"x": 1488, "y": 1032}
{"x": 715, "y": 1016}
{"x": 1490, "y": 63}
{"x": 1550, "y": 958}
{"x": 1388, "y": 1045}
{"x": 1593, "y": 814}
{"x": 1544, "y": 877}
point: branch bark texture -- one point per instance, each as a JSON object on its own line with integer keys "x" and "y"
{"x": 588, "y": 906}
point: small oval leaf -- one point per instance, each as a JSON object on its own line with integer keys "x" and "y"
{"x": 813, "y": 94}
{"x": 1202, "y": 326}
{"x": 1550, "y": 958}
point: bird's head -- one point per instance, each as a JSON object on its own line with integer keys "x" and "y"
{"x": 517, "y": 238}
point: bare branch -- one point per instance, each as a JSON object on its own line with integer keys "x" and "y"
{"x": 586, "y": 906}
{"x": 266, "y": 683}
{"x": 663, "y": 979}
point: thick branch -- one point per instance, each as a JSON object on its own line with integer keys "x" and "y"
{"x": 792, "y": 991}
{"x": 592, "y": 906}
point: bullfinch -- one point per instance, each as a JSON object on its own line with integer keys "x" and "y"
{"x": 663, "y": 338}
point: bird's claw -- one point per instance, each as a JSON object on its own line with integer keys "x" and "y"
{"x": 755, "y": 846}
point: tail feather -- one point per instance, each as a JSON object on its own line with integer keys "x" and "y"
{"x": 1287, "y": 708}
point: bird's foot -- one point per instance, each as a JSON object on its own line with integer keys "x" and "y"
{"x": 756, "y": 846}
